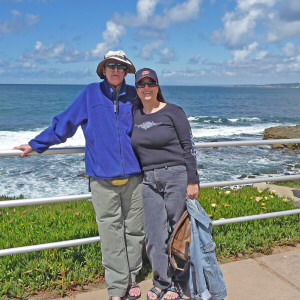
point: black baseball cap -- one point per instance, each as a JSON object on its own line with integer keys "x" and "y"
{"x": 145, "y": 72}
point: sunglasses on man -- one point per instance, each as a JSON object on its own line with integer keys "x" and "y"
{"x": 143, "y": 84}
{"x": 120, "y": 68}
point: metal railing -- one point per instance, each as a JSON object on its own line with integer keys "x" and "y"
{"x": 77, "y": 242}
{"x": 73, "y": 150}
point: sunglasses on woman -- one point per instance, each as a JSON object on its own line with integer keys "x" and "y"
{"x": 143, "y": 84}
{"x": 119, "y": 67}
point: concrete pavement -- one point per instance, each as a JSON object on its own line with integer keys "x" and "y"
{"x": 266, "y": 277}
{"x": 281, "y": 191}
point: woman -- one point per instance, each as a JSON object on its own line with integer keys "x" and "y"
{"x": 162, "y": 140}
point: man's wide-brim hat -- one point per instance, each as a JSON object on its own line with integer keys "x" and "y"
{"x": 119, "y": 56}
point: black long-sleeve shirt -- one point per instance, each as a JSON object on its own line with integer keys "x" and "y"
{"x": 164, "y": 138}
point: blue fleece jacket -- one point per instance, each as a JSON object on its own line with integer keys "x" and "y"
{"x": 108, "y": 151}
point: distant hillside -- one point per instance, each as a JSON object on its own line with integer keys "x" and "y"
{"x": 282, "y": 85}
{"x": 277, "y": 85}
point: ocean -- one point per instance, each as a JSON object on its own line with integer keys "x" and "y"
{"x": 215, "y": 114}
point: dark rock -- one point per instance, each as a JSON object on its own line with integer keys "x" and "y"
{"x": 296, "y": 193}
{"x": 242, "y": 176}
{"x": 284, "y": 132}
{"x": 297, "y": 166}
{"x": 200, "y": 166}
{"x": 82, "y": 175}
{"x": 251, "y": 176}
{"x": 272, "y": 172}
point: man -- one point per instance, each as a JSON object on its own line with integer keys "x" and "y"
{"x": 104, "y": 111}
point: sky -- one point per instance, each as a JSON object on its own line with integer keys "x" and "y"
{"x": 188, "y": 42}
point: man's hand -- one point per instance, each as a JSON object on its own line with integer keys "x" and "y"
{"x": 26, "y": 148}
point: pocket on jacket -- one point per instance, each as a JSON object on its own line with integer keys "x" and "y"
{"x": 212, "y": 271}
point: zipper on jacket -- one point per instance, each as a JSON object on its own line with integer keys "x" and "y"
{"x": 116, "y": 110}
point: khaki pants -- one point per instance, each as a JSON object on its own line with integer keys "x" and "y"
{"x": 119, "y": 216}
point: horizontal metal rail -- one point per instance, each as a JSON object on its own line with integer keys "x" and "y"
{"x": 24, "y": 202}
{"x": 96, "y": 239}
{"x": 55, "y": 150}
{"x": 48, "y": 246}
{"x": 71, "y": 150}
{"x": 257, "y": 217}
{"x": 248, "y": 181}
{"x": 246, "y": 143}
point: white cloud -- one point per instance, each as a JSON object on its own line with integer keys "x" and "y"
{"x": 111, "y": 37}
{"x": 145, "y": 8}
{"x": 289, "y": 10}
{"x": 147, "y": 18}
{"x": 280, "y": 30}
{"x": 18, "y": 23}
{"x": 181, "y": 13}
{"x": 261, "y": 54}
{"x": 269, "y": 70}
{"x": 291, "y": 50}
{"x": 153, "y": 25}
{"x": 245, "y": 5}
{"x": 66, "y": 54}
{"x": 42, "y": 53}
{"x": 241, "y": 55}
{"x": 166, "y": 55}
{"x": 195, "y": 59}
{"x": 32, "y": 19}
{"x": 149, "y": 49}
{"x": 267, "y": 21}
{"x": 115, "y": 29}
{"x": 167, "y": 74}
{"x": 239, "y": 28}
{"x": 15, "y": 13}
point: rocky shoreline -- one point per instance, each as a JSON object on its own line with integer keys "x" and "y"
{"x": 284, "y": 132}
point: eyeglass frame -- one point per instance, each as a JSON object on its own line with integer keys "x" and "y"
{"x": 141, "y": 85}
{"x": 120, "y": 67}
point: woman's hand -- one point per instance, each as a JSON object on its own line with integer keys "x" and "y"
{"x": 192, "y": 191}
{"x": 26, "y": 148}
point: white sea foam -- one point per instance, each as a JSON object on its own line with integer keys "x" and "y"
{"x": 243, "y": 119}
{"x": 233, "y": 120}
{"x": 228, "y": 131}
{"x": 10, "y": 139}
{"x": 217, "y": 119}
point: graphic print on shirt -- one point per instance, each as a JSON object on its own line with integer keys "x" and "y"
{"x": 147, "y": 125}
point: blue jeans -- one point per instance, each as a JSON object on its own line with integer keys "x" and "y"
{"x": 164, "y": 201}
{"x": 206, "y": 281}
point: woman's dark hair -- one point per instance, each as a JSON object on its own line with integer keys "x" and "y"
{"x": 138, "y": 102}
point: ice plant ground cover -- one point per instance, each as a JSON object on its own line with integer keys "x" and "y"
{"x": 290, "y": 183}
{"x": 71, "y": 268}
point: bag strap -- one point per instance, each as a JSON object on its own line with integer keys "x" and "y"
{"x": 175, "y": 266}
{"x": 187, "y": 245}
